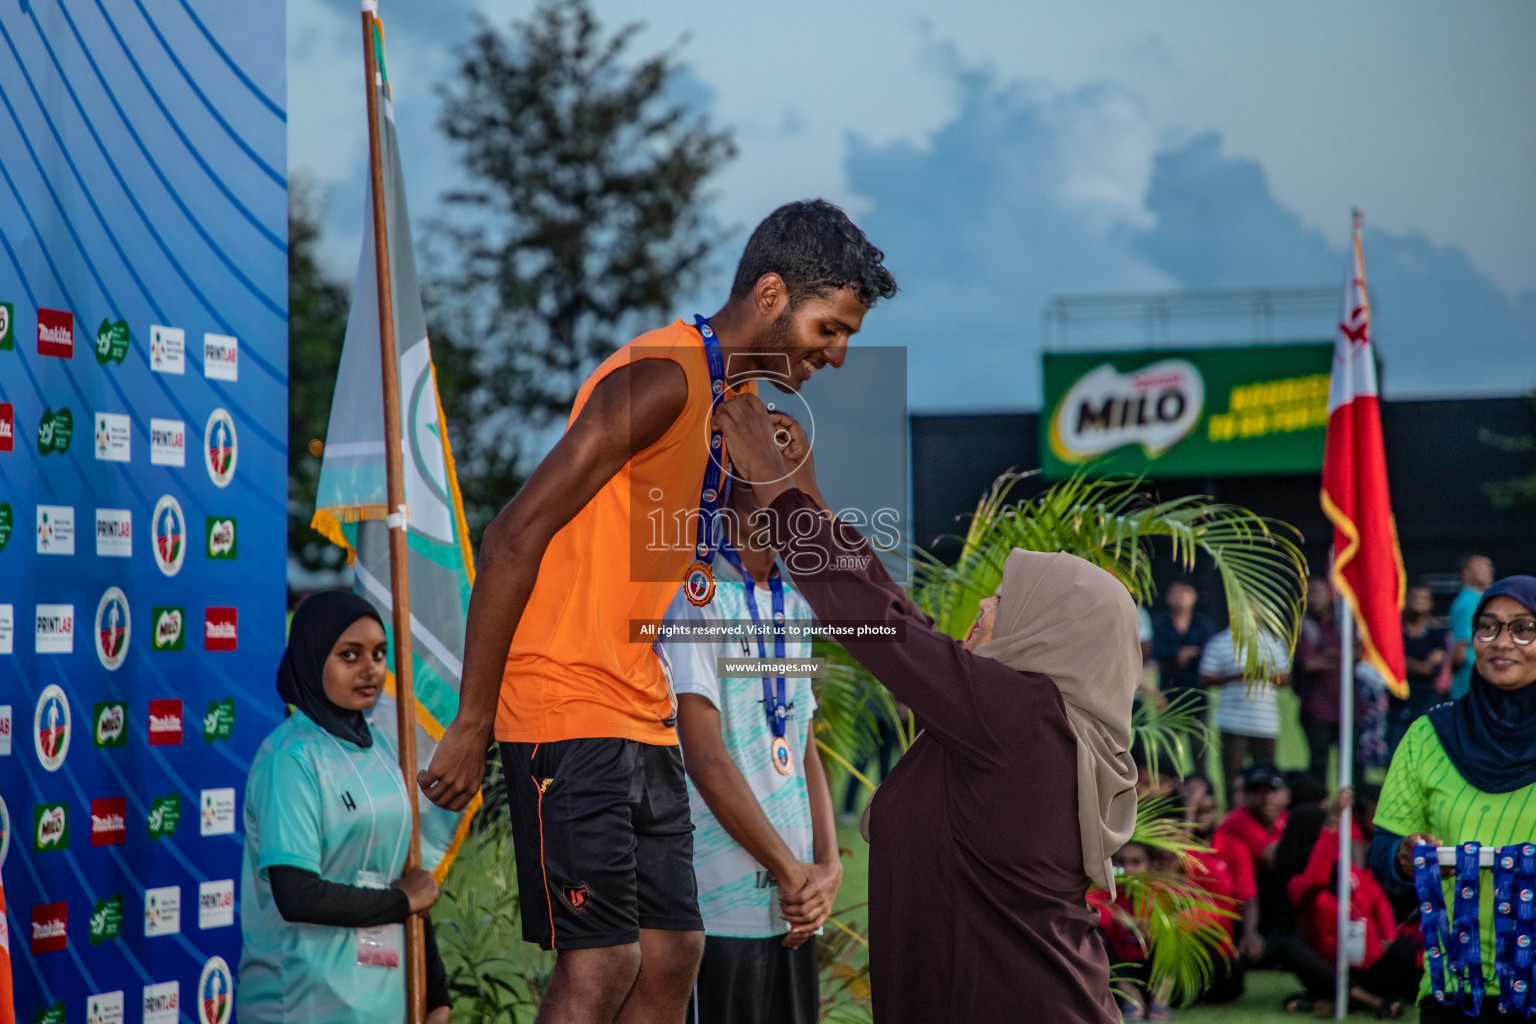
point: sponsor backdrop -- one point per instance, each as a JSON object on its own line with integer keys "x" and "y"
{"x": 1198, "y": 412}
{"x": 143, "y": 391}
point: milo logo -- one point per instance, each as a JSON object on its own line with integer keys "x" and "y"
{"x": 7, "y": 523}
{"x": 52, "y": 823}
{"x": 169, "y": 631}
{"x": 107, "y": 919}
{"x": 221, "y": 536}
{"x": 111, "y": 725}
{"x": 112, "y": 341}
{"x": 54, "y": 431}
{"x": 7, "y": 326}
{"x": 164, "y": 815}
{"x": 219, "y": 720}
{"x": 1155, "y": 407}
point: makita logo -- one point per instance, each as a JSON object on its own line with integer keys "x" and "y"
{"x": 164, "y": 722}
{"x": 109, "y": 821}
{"x": 50, "y": 927}
{"x": 221, "y": 629}
{"x": 55, "y": 333}
{"x": 7, "y": 427}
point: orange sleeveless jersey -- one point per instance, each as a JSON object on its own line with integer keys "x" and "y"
{"x": 572, "y": 670}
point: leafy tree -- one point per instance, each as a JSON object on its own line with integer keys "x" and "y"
{"x": 582, "y": 222}
{"x": 317, "y": 325}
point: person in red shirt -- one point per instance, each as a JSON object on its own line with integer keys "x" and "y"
{"x": 1249, "y": 835}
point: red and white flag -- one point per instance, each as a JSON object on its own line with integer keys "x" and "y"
{"x": 1367, "y": 564}
{"x": 7, "y": 1006}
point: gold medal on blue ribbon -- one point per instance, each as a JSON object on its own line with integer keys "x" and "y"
{"x": 781, "y": 756}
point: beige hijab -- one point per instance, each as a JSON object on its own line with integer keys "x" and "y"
{"x": 1066, "y": 618}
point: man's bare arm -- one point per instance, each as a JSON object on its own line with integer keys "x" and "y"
{"x": 627, "y": 411}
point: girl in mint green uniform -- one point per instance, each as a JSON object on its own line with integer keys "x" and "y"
{"x": 326, "y": 829}
{"x": 1466, "y": 771}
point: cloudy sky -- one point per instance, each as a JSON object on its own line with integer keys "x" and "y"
{"x": 1005, "y": 152}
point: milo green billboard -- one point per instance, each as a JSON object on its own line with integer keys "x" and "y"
{"x": 1195, "y": 412}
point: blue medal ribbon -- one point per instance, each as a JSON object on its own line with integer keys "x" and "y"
{"x": 773, "y": 690}
{"x": 1433, "y": 921}
{"x": 1505, "y": 861}
{"x": 712, "y": 498}
{"x": 1523, "y": 935}
{"x": 1467, "y": 949}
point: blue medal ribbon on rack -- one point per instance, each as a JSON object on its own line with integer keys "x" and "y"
{"x": 1523, "y": 935}
{"x": 1433, "y": 920}
{"x": 1505, "y": 861}
{"x": 699, "y": 580}
{"x": 774, "y": 689}
{"x": 1467, "y": 947}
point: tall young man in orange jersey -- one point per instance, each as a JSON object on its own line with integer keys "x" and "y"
{"x": 583, "y": 713}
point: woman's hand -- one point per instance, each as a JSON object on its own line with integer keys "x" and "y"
{"x": 439, "y": 1015}
{"x": 1405, "y": 851}
{"x": 749, "y": 439}
{"x": 1342, "y": 801}
{"x": 798, "y": 458}
{"x": 419, "y": 887}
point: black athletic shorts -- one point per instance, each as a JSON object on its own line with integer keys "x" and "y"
{"x": 604, "y": 841}
{"x": 756, "y": 981}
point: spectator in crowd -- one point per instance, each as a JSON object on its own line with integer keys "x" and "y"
{"x": 1476, "y": 576}
{"x": 1247, "y": 712}
{"x": 1179, "y": 634}
{"x": 1284, "y": 946}
{"x": 1304, "y": 789}
{"x": 1317, "y": 677}
{"x": 1209, "y": 870}
{"x": 1254, "y": 829}
{"x": 1124, "y": 938}
{"x": 1424, "y": 651}
{"x": 1384, "y": 965}
{"x": 1466, "y": 771}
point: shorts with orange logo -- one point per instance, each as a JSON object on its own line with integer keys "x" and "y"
{"x": 603, "y": 839}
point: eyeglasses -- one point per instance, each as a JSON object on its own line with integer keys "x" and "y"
{"x": 1486, "y": 629}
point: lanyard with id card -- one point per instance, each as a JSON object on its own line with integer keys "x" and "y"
{"x": 378, "y": 946}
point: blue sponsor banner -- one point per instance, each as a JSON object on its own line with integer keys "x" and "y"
{"x": 143, "y": 481}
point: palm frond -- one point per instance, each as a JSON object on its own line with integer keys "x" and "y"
{"x": 1165, "y": 733}
{"x": 1180, "y": 927}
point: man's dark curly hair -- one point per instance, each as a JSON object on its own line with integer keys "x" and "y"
{"x": 815, "y": 248}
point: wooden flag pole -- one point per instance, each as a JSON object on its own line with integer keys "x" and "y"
{"x": 399, "y": 581}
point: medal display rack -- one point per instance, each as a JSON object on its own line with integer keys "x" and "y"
{"x": 1447, "y": 856}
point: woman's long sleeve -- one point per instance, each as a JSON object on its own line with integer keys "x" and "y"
{"x": 438, "y": 993}
{"x": 1315, "y": 877}
{"x": 303, "y": 897}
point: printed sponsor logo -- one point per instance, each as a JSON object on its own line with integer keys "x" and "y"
{"x": 7, "y": 523}
{"x": 167, "y": 442}
{"x": 7, "y": 326}
{"x": 50, "y": 927}
{"x": 164, "y": 815}
{"x": 215, "y": 988}
{"x": 170, "y": 535}
{"x": 54, "y": 431}
{"x": 114, "y": 533}
{"x": 109, "y": 821}
{"x": 164, "y": 723}
{"x": 114, "y": 437}
{"x": 55, "y": 530}
{"x": 56, "y": 333}
{"x": 50, "y": 727}
{"x": 221, "y": 449}
{"x": 167, "y": 349}
{"x": 218, "y": 812}
{"x": 104, "y": 1008}
{"x": 1155, "y": 407}
{"x": 5, "y": 730}
{"x": 50, "y": 823}
{"x": 162, "y": 1003}
{"x": 112, "y": 341}
{"x": 5, "y": 835}
{"x": 219, "y": 720}
{"x": 170, "y": 631}
{"x": 221, "y": 357}
{"x": 221, "y": 537}
{"x": 216, "y": 904}
{"x": 162, "y": 911}
{"x": 7, "y": 628}
{"x": 107, "y": 919}
{"x": 7, "y": 427}
{"x": 111, "y": 724}
{"x": 221, "y": 629}
{"x": 112, "y": 629}
{"x": 50, "y": 1015}
{"x": 55, "y": 629}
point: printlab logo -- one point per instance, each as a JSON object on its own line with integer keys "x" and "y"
{"x": 50, "y": 823}
{"x": 164, "y": 723}
{"x": 221, "y": 629}
{"x": 109, "y": 821}
{"x": 7, "y": 523}
{"x": 111, "y": 342}
{"x": 221, "y": 449}
{"x": 114, "y": 437}
{"x": 56, "y": 333}
{"x": 170, "y": 537}
{"x": 221, "y": 357}
{"x": 5, "y": 835}
{"x": 50, "y": 727}
{"x": 162, "y": 911}
{"x": 1156, "y": 407}
{"x": 167, "y": 349}
{"x": 7, "y": 326}
{"x": 55, "y": 530}
{"x": 112, "y": 629}
{"x": 216, "y": 904}
{"x": 107, "y": 919}
{"x": 219, "y": 720}
{"x": 111, "y": 726}
{"x": 218, "y": 812}
{"x": 7, "y": 427}
{"x": 164, "y": 815}
{"x": 55, "y": 629}
{"x": 170, "y": 633}
{"x": 50, "y": 928}
{"x": 221, "y": 537}
{"x": 162, "y": 1003}
{"x": 104, "y": 1008}
{"x": 114, "y": 533}
{"x": 7, "y": 628}
{"x": 213, "y": 992}
{"x": 167, "y": 442}
{"x": 54, "y": 431}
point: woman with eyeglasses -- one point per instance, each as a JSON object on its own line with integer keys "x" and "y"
{"x": 1466, "y": 772}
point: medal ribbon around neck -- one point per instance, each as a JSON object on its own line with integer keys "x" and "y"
{"x": 774, "y": 688}
{"x": 699, "y": 580}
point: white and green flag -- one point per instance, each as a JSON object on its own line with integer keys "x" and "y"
{"x": 351, "y": 502}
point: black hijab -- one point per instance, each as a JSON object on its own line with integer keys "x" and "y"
{"x": 317, "y": 625}
{"x": 1490, "y": 734}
